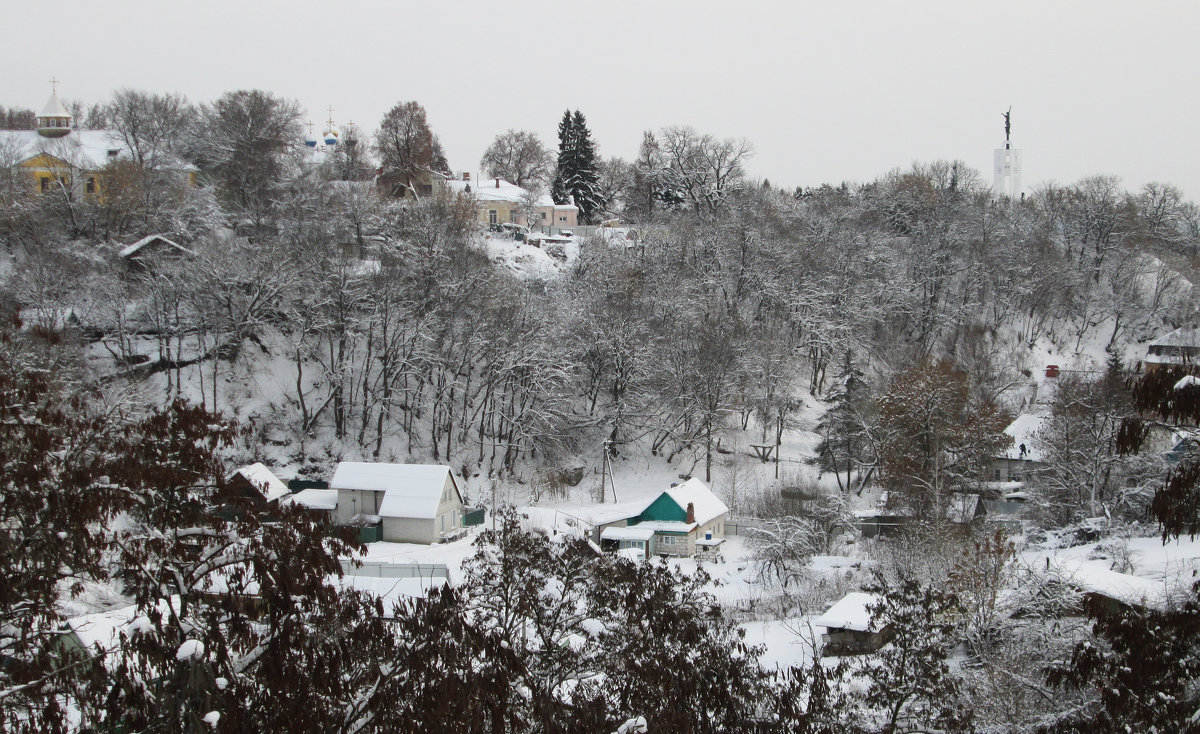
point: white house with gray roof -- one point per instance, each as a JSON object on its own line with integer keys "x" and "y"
{"x": 414, "y": 503}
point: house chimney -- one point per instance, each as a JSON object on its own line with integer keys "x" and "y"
{"x": 497, "y": 183}
{"x": 691, "y": 513}
{"x": 466, "y": 176}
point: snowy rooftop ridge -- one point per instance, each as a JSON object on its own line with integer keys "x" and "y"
{"x": 133, "y": 249}
{"x": 263, "y": 479}
{"x": 1024, "y": 431}
{"x": 497, "y": 189}
{"x": 707, "y": 505}
{"x": 313, "y": 499}
{"x": 1096, "y": 577}
{"x": 1186, "y": 336}
{"x": 850, "y": 613}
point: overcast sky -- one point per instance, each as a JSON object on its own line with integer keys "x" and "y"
{"x": 826, "y": 91}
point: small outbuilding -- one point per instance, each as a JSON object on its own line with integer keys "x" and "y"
{"x": 257, "y": 483}
{"x": 1180, "y": 348}
{"x": 140, "y": 255}
{"x": 849, "y": 628}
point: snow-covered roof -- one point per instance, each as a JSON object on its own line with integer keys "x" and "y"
{"x": 1187, "y": 336}
{"x": 634, "y": 532}
{"x": 850, "y": 613}
{"x": 54, "y": 108}
{"x": 604, "y": 514}
{"x": 264, "y": 479}
{"x": 1024, "y": 431}
{"x": 707, "y": 505}
{"x": 410, "y": 490}
{"x": 89, "y": 150}
{"x": 313, "y": 499}
{"x": 1187, "y": 381}
{"x": 84, "y": 148}
{"x": 497, "y": 189}
{"x": 133, "y": 249}
{"x": 667, "y": 526}
{"x": 105, "y": 628}
{"x": 1097, "y": 578}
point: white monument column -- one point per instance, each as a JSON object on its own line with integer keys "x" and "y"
{"x": 1006, "y": 178}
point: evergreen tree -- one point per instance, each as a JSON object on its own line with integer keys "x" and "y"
{"x": 577, "y": 178}
{"x": 845, "y": 444}
{"x": 559, "y": 190}
{"x": 586, "y": 185}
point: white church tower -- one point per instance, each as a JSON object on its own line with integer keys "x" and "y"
{"x": 1006, "y": 180}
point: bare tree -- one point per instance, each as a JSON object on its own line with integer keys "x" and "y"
{"x": 405, "y": 145}
{"x": 519, "y": 156}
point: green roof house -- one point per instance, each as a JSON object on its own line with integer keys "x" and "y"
{"x": 682, "y": 521}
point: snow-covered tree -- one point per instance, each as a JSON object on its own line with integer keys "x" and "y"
{"x": 933, "y": 440}
{"x": 782, "y": 548}
{"x": 518, "y": 156}
{"x": 845, "y": 446}
{"x": 909, "y": 682}
{"x": 248, "y": 142}
{"x": 1139, "y": 671}
{"x": 407, "y": 148}
{"x": 576, "y": 179}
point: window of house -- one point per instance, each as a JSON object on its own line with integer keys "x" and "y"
{"x": 425, "y": 189}
{"x": 45, "y": 183}
{"x": 562, "y": 219}
{"x": 91, "y": 185}
{"x": 492, "y": 216}
{"x": 512, "y": 216}
{"x": 543, "y": 215}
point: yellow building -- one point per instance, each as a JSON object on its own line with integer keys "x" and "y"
{"x": 498, "y": 201}
{"x": 58, "y": 158}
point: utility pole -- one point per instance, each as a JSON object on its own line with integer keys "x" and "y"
{"x": 606, "y": 473}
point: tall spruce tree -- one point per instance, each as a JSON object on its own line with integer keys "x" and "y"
{"x": 576, "y": 177}
{"x": 559, "y": 191}
{"x": 845, "y": 446}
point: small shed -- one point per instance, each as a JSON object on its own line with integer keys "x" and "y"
{"x": 139, "y": 255}
{"x": 256, "y": 482}
{"x": 849, "y": 628}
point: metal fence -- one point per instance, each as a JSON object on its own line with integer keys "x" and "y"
{"x": 384, "y": 570}
{"x": 740, "y": 525}
{"x": 582, "y": 231}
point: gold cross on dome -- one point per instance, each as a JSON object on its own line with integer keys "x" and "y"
{"x": 54, "y": 84}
